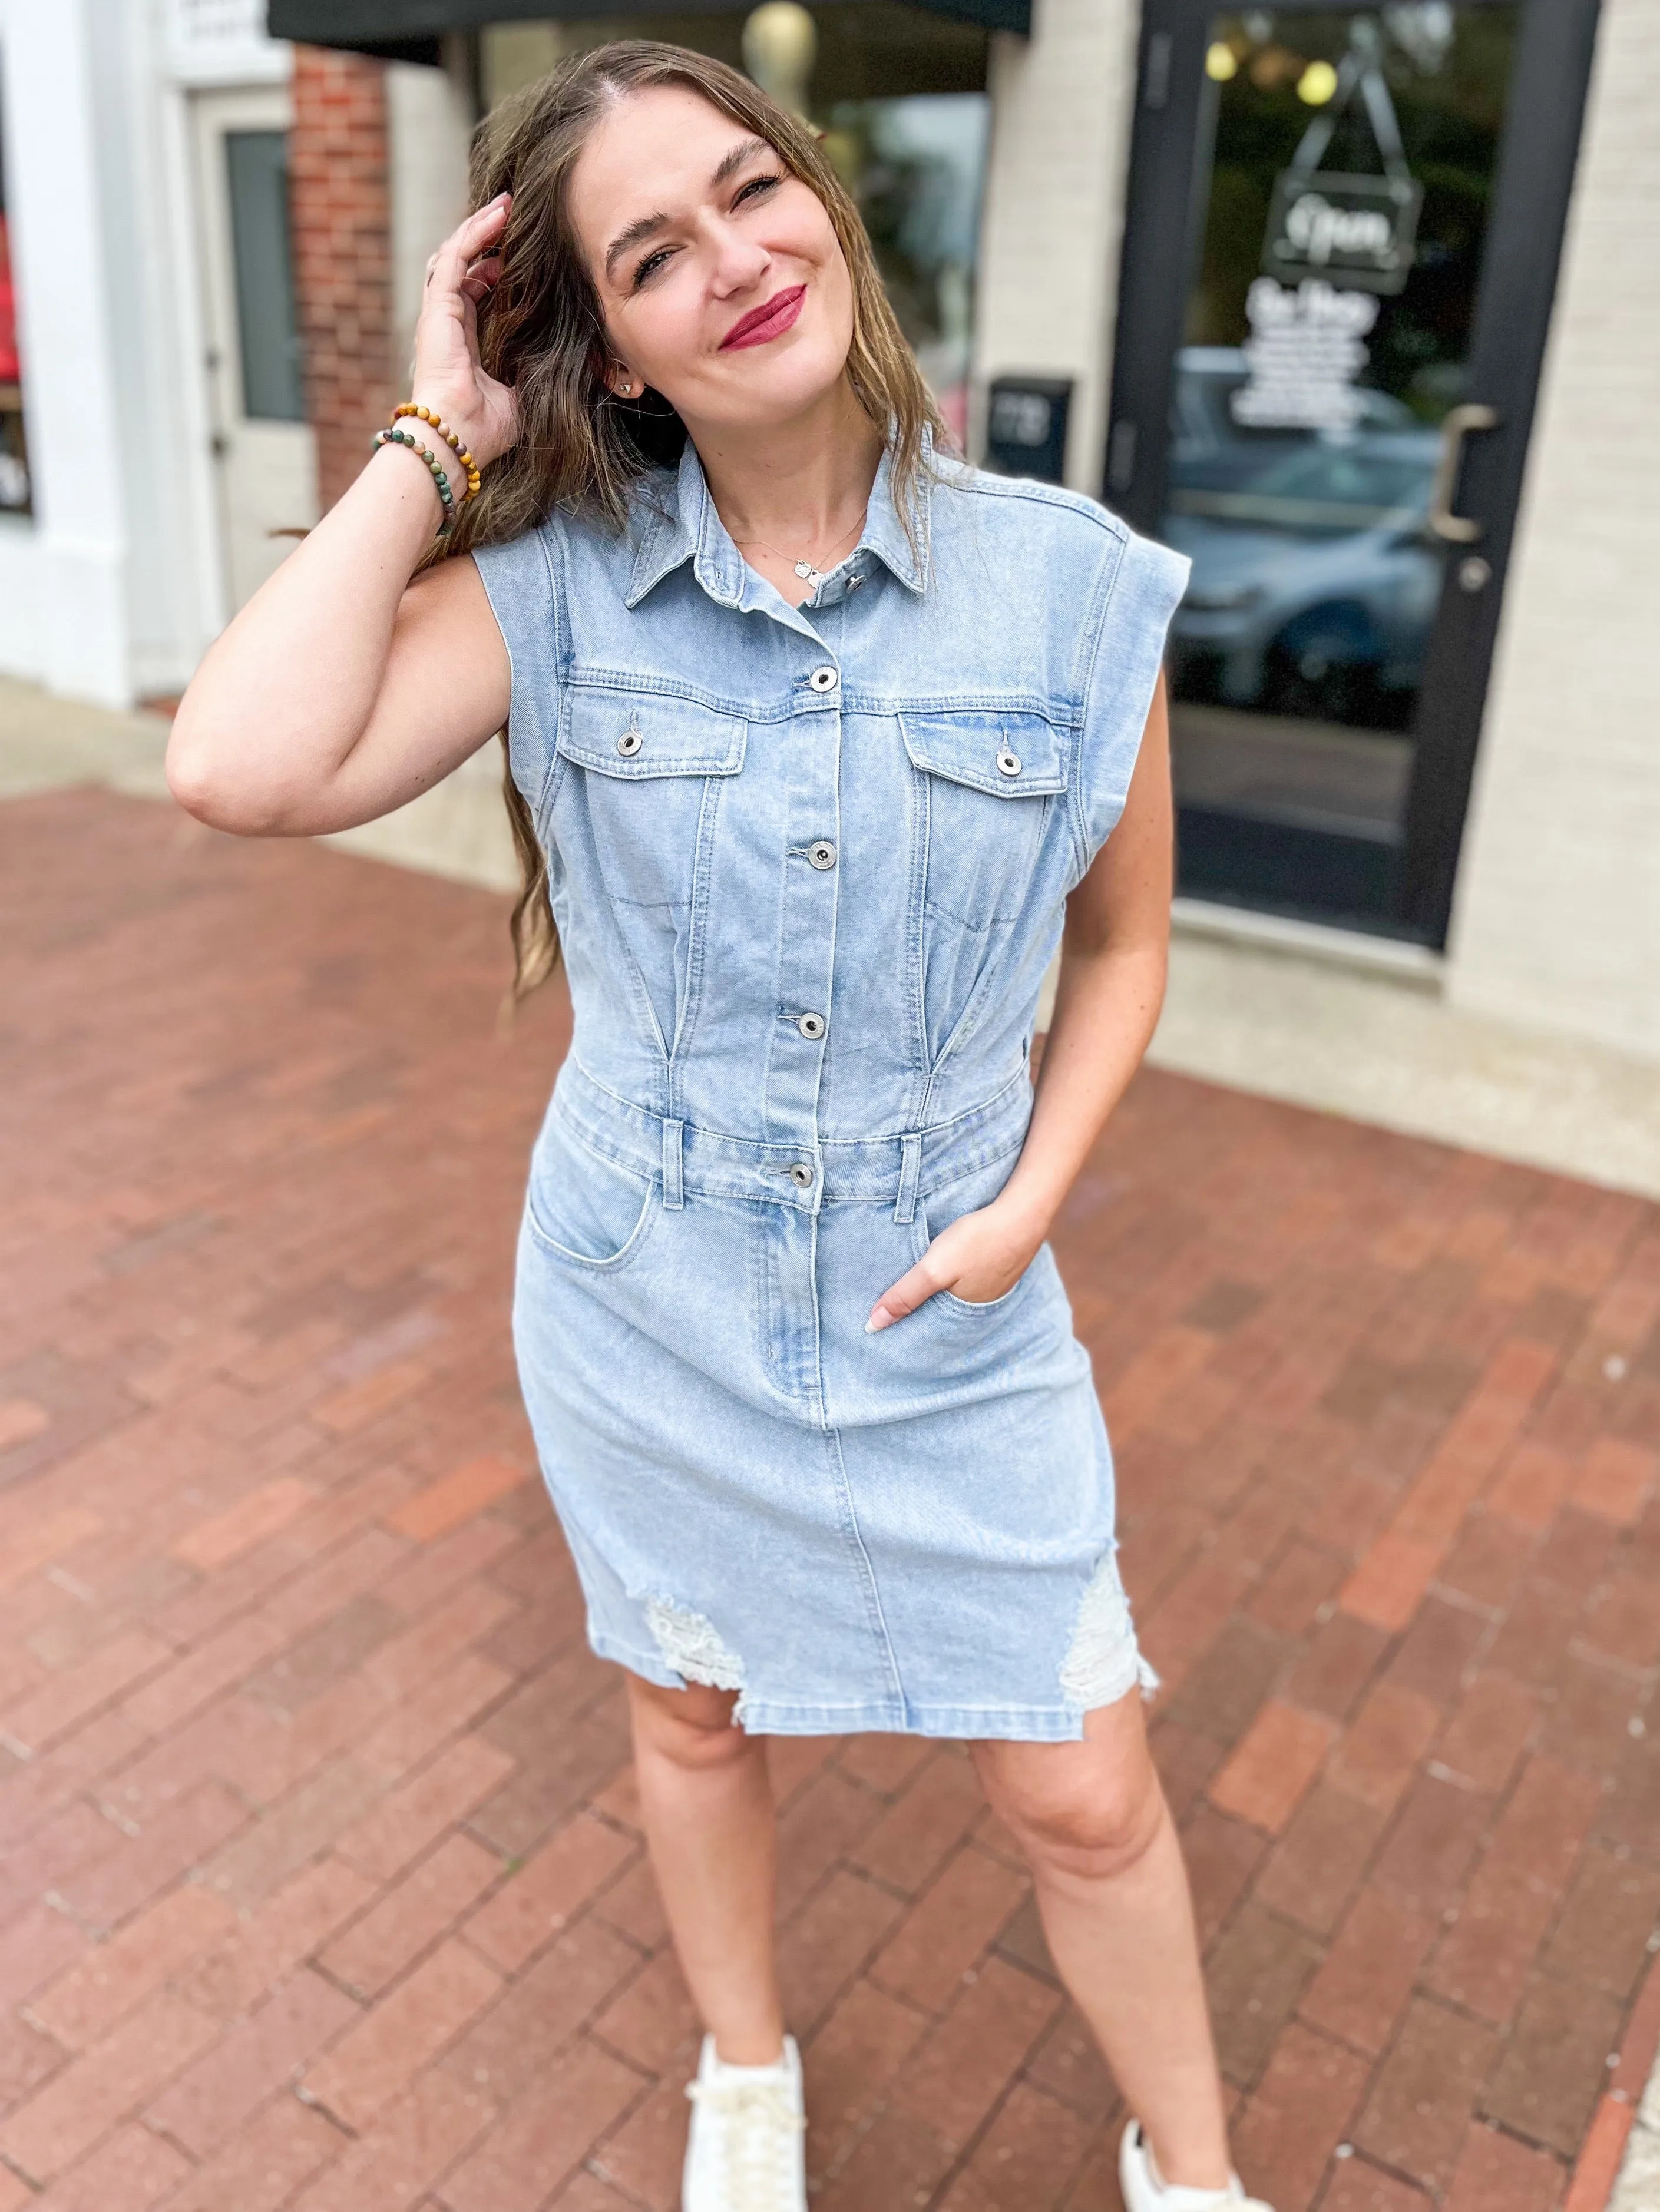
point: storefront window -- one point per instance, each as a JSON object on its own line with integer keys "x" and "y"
{"x": 1346, "y": 181}
{"x": 899, "y": 96}
{"x": 916, "y": 166}
{"x": 15, "y": 491}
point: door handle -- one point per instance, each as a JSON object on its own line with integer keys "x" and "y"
{"x": 1458, "y": 529}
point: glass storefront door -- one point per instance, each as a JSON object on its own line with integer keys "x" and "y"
{"x": 1341, "y": 351}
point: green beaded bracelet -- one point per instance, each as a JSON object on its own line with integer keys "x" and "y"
{"x": 395, "y": 437}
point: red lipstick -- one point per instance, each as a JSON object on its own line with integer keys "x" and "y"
{"x": 769, "y": 320}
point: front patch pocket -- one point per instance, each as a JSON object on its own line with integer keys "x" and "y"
{"x": 639, "y": 735}
{"x": 647, "y": 760}
{"x": 643, "y": 773}
{"x": 987, "y": 779}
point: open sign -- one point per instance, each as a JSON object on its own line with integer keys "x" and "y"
{"x": 1353, "y": 231}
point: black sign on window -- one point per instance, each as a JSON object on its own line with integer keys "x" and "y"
{"x": 1026, "y": 427}
{"x": 1354, "y": 231}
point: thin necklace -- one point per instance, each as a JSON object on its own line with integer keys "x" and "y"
{"x": 804, "y": 568}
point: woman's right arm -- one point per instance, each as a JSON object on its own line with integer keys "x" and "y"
{"x": 343, "y": 689}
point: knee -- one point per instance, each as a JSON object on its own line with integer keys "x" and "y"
{"x": 691, "y": 1730}
{"x": 1091, "y": 1827}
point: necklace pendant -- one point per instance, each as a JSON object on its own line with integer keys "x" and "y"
{"x": 806, "y": 568}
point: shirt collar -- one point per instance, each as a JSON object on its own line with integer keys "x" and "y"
{"x": 885, "y": 533}
{"x": 678, "y": 523}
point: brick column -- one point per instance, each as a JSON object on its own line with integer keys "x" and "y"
{"x": 341, "y": 216}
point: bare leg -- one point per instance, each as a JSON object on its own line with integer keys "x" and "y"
{"x": 1116, "y": 1910}
{"x": 710, "y": 1823}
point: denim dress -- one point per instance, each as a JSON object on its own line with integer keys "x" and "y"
{"x": 808, "y": 867}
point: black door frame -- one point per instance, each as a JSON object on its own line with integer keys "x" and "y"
{"x": 1532, "y": 186}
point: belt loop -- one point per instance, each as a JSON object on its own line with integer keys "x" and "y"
{"x": 910, "y": 1174}
{"x": 674, "y": 1183}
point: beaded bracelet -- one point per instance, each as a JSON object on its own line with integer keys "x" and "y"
{"x": 396, "y": 437}
{"x": 426, "y": 416}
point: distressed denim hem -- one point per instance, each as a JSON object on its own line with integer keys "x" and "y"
{"x": 1129, "y": 1672}
{"x": 960, "y": 1723}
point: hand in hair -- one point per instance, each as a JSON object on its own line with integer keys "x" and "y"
{"x": 447, "y": 376}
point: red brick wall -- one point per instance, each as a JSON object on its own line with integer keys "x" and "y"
{"x": 342, "y": 213}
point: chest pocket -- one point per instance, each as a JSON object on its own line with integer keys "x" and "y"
{"x": 647, "y": 787}
{"x": 990, "y": 782}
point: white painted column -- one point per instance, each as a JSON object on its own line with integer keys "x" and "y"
{"x": 62, "y": 601}
{"x": 429, "y": 130}
{"x": 1061, "y": 110}
{"x": 1557, "y": 921}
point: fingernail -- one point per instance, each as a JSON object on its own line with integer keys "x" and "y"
{"x": 877, "y": 1320}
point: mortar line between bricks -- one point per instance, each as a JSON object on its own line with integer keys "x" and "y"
{"x": 972, "y": 2143}
{"x": 1369, "y": 2162}
{"x": 1461, "y": 1600}
{"x": 648, "y": 2086}
{"x": 936, "y": 2018}
{"x": 1611, "y": 1662}
{"x": 589, "y": 2033}
{"x": 575, "y": 1921}
{"x": 592, "y": 2165}
{"x": 48, "y": 1744}
{"x": 1512, "y": 2134}
{"x": 909, "y": 1898}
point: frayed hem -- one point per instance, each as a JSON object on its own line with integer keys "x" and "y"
{"x": 691, "y": 1646}
{"x": 1103, "y": 1661}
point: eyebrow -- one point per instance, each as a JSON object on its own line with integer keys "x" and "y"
{"x": 647, "y": 226}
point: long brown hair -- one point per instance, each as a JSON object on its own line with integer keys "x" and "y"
{"x": 542, "y": 330}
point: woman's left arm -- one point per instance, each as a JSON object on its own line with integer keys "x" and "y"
{"x": 1114, "y": 953}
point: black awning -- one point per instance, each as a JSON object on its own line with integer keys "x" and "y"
{"x": 411, "y": 30}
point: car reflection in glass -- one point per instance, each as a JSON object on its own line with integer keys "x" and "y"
{"x": 1314, "y": 579}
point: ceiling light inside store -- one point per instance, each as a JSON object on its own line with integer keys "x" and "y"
{"x": 1273, "y": 67}
{"x": 1219, "y": 62}
{"x": 780, "y": 45}
{"x": 1317, "y": 83}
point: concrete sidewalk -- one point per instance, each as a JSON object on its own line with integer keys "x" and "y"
{"x": 323, "y": 1888}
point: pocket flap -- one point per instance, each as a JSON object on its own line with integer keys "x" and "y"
{"x": 968, "y": 747}
{"x": 645, "y": 733}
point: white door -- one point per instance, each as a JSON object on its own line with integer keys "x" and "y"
{"x": 263, "y": 449}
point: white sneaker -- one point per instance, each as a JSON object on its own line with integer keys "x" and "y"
{"x": 1143, "y": 2192}
{"x": 748, "y": 2146}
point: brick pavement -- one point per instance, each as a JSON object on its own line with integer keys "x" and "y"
{"x": 320, "y": 1881}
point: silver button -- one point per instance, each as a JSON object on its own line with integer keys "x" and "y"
{"x": 813, "y": 1026}
{"x": 1008, "y": 763}
{"x": 801, "y": 1175}
{"x": 854, "y": 582}
{"x": 824, "y": 680}
{"x": 822, "y": 854}
{"x": 630, "y": 743}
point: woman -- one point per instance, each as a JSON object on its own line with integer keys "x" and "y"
{"x": 813, "y": 738}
